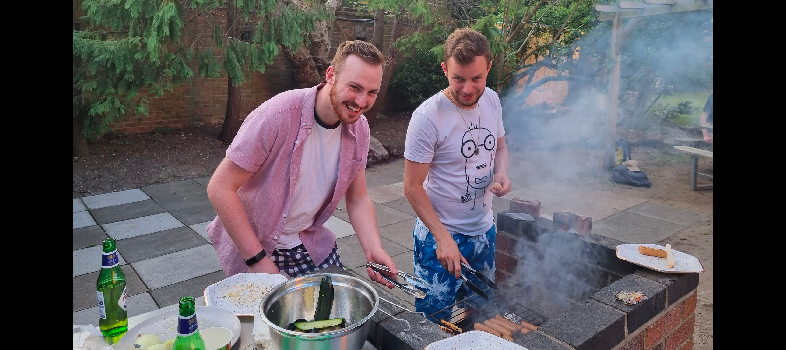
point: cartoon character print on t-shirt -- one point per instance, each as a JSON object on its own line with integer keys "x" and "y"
{"x": 479, "y": 162}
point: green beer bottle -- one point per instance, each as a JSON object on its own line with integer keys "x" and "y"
{"x": 111, "y": 290}
{"x": 188, "y": 337}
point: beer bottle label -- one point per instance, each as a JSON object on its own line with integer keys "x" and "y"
{"x": 109, "y": 260}
{"x": 122, "y": 301}
{"x": 101, "y": 305}
{"x": 187, "y": 325}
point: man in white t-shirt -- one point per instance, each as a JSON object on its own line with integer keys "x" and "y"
{"x": 456, "y": 159}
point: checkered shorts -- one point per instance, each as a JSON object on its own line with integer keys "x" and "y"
{"x": 296, "y": 262}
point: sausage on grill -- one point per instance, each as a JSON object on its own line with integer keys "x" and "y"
{"x": 481, "y": 327}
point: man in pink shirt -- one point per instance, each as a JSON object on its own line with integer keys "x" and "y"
{"x": 291, "y": 162}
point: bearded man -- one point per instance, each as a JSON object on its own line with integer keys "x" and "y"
{"x": 456, "y": 161}
{"x": 293, "y": 159}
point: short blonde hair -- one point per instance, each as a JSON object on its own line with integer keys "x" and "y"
{"x": 366, "y": 51}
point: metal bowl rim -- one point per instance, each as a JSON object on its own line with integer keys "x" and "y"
{"x": 318, "y": 336}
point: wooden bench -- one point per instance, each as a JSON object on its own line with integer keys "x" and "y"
{"x": 695, "y": 153}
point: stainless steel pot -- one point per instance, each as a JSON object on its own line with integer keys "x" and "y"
{"x": 354, "y": 300}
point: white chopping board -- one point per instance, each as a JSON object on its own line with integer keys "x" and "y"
{"x": 684, "y": 263}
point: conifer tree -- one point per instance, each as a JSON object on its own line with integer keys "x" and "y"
{"x": 134, "y": 50}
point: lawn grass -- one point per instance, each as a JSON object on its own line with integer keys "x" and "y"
{"x": 697, "y": 100}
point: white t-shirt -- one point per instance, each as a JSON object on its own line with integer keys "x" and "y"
{"x": 458, "y": 179}
{"x": 315, "y": 183}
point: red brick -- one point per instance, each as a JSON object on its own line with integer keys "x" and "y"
{"x": 673, "y": 318}
{"x": 690, "y": 305}
{"x": 506, "y": 244}
{"x": 681, "y": 334}
{"x": 688, "y": 344}
{"x": 658, "y": 346}
{"x": 636, "y": 343}
{"x": 655, "y": 332}
{"x": 505, "y": 262}
{"x": 524, "y": 206}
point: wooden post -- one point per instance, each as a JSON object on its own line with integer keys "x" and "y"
{"x": 613, "y": 95}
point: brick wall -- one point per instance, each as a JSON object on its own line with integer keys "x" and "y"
{"x": 595, "y": 320}
{"x": 203, "y": 101}
{"x": 671, "y": 330}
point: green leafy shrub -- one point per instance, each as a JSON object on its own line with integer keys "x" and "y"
{"x": 414, "y": 81}
{"x": 681, "y": 111}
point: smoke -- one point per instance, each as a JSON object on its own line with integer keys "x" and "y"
{"x": 569, "y": 114}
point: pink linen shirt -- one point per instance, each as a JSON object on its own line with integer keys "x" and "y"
{"x": 269, "y": 145}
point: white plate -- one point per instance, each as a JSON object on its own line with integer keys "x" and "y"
{"x": 684, "y": 263}
{"x": 474, "y": 340}
{"x": 164, "y": 325}
{"x": 241, "y": 293}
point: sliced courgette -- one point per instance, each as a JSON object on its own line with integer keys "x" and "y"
{"x": 325, "y": 301}
{"x": 319, "y": 325}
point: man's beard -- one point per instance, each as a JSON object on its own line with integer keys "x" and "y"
{"x": 337, "y": 108}
{"x": 461, "y": 102}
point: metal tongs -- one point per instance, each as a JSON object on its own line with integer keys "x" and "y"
{"x": 479, "y": 275}
{"x": 472, "y": 286}
{"x": 407, "y": 288}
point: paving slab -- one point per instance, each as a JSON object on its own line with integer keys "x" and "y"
{"x": 400, "y": 233}
{"x": 340, "y": 227}
{"x": 385, "y": 174}
{"x": 624, "y": 236}
{"x": 402, "y": 205}
{"x": 202, "y": 181}
{"x": 169, "y": 269}
{"x": 135, "y": 305}
{"x": 83, "y": 219}
{"x": 668, "y": 213}
{"x": 195, "y": 287}
{"x": 178, "y": 195}
{"x": 201, "y": 229}
{"x": 645, "y": 227}
{"x": 87, "y": 260}
{"x": 612, "y": 200}
{"x": 114, "y": 198}
{"x": 385, "y": 193}
{"x": 78, "y": 205}
{"x": 141, "y": 226}
{"x": 580, "y": 207}
{"x": 389, "y": 216}
{"x": 84, "y": 292}
{"x": 159, "y": 243}
{"x": 195, "y": 213}
{"x": 88, "y": 236}
{"x": 529, "y": 194}
{"x": 560, "y": 189}
{"x": 126, "y": 211}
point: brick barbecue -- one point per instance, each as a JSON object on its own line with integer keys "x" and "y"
{"x": 556, "y": 274}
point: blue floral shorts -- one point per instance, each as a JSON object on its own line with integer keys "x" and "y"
{"x": 444, "y": 289}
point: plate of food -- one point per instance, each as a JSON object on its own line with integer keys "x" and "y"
{"x": 656, "y": 257}
{"x": 164, "y": 324}
{"x": 241, "y": 293}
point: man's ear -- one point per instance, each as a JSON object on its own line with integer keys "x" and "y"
{"x": 444, "y": 68}
{"x": 489, "y": 68}
{"x": 330, "y": 74}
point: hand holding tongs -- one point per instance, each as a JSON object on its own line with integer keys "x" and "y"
{"x": 479, "y": 275}
{"x": 409, "y": 289}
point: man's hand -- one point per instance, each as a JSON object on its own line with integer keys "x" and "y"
{"x": 504, "y": 182}
{"x": 264, "y": 266}
{"x": 379, "y": 256}
{"x": 707, "y": 136}
{"x": 449, "y": 256}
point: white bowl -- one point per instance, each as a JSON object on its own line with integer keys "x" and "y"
{"x": 217, "y": 338}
